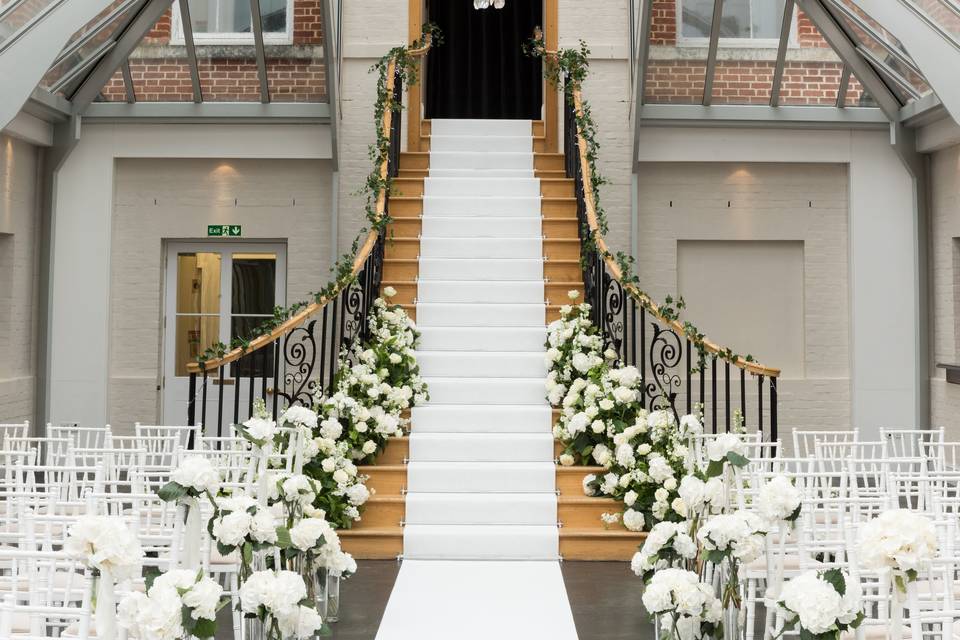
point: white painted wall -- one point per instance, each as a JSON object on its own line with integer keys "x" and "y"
{"x": 79, "y": 346}
{"x": 945, "y": 286}
{"x": 19, "y": 233}
{"x": 881, "y": 257}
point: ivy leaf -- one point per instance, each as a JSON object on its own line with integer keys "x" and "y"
{"x": 736, "y": 459}
{"x": 835, "y": 578}
{"x": 171, "y": 492}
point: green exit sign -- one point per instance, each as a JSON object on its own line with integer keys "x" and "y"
{"x": 224, "y": 231}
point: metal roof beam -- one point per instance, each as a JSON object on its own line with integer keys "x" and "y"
{"x": 640, "y": 79}
{"x": 186, "y": 23}
{"x": 257, "y": 22}
{"x": 712, "y": 52}
{"x": 786, "y": 22}
{"x": 843, "y": 87}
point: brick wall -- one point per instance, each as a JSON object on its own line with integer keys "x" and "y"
{"x": 743, "y": 75}
{"x": 228, "y": 73}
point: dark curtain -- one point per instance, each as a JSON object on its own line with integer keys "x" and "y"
{"x": 480, "y": 70}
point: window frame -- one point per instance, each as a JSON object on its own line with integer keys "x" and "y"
{"x": 793, "y": 42}
{"x": 207, "y": 38}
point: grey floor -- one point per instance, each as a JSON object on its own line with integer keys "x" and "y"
{"x": 604, "y": 596}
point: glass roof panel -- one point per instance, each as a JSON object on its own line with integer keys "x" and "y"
{"x": 856, "y": 95}
{"x": 882, "y": 50}
{"x": 944, "y": 13}
{"x": 88, "y": 45}
{"x": 14, "y": 14}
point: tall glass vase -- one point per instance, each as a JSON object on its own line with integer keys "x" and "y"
{"x": 320, "y": 592}
{"x": 254, "y": 629}
{"x": 730, "y": 597}
{"x": 333, "y": 596}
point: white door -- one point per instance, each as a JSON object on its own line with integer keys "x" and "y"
{"x": 214, "y": 293}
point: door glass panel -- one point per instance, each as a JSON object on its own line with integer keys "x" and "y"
{"x": 254, "y": 296}
{"x": 254, "y": 283}
{"x": 198, "y": 283}
{"x": 194, "y": 335}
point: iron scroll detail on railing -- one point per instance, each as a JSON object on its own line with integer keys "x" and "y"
{"x": 289, "y": 364}
{"x": 681, "y": 370}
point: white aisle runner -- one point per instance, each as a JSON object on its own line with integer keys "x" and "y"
{"x": 481, "y": 544}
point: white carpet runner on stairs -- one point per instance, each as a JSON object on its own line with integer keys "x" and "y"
{"x": 481, "y": 479}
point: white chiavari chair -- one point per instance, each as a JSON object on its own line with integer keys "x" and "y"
{"x": 162, "y": 442}
{"x": 909, "y": 443}
{"x": 80, "y": 437}
{"x": 13, "y": 430}
{"x": 49, "y": 450}
{"x": 944, "y": 498}
{"x": 805, "y": 440}
{"x": 65, "y": 484}
{"x": 57, "y": 600}
{"x": 943, "y": 456}
{"x": 868, "y": 477}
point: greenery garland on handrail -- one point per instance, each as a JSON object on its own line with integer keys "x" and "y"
{"x": 572, "y": 65}
{"x": 400, "y": 63}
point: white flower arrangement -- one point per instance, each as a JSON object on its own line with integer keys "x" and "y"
{"x": 240, "y": 524}
{"x": 898, "y": 540}
{"x": 260, "y": 429}
{"x": 734, "y": 536}
{"x": 574, "y": 350}
{"x": 341, "y": 489}
{"x": 299, "y": 416}
{"x": 179, "y": 602}
{"x": 723, "y": 450}
{"x": 684, "y": 608}
{"x": 667, "y": 545}
{"x": 698, "y": 497}
{"x": 194, "y": 477}
{"x": 279, "y": 600}
{"x": 779, "y": 500}
{"x": 106, "y": 545}
{"x": 821, "y": 605}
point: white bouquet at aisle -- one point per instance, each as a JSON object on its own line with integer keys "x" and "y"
{"x": 667, "y": 545}
{"x": 821, "y": 605}
{"x": 194, "y": 477}
{"x": 699, "y": 498}
{"x": 779, "y": 500}
{"x": 106, "y": 545}
{"x": 725, "y": 449}
{"x": 297, "y": 494}
{"x": 179, "y": 602}
{"x": 279, "y": 600}
{"x": 241, "y": 525}
{"x": 260, "y": 429}
{"x": 682, "y": 606}
{"x": 737, "y": 537}
{"x": 299, "y": 416}
{"x": 899, "y": 540}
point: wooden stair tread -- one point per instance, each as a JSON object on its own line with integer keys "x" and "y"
{"x": 569, "y": 532}
{"x": 381, "y": 467}
{"x": 371, "y": 533}
{"x": 386, "y": 499}
{"x": 586, "y": 500}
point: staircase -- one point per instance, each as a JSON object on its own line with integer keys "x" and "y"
{"x": 481, "y": 477}
{"x": 484, "y": 250}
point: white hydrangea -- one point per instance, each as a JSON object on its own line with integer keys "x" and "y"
{"x": 106, "y": 544}
{"x": 300, "y": 416}
{"x": 720, "y": 446}
{"x": 778, "y": 499}
{"x": 812, "y": 602}
{"x": 197, "y": 473}
{"x": 897, "y": 539}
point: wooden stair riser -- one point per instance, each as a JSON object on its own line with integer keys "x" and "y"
{"x": 543, "y": 174}
{"x": 557, "y": 188}
{"x": 404, "y": 248}
{"x": 380, "y": 513}
{"x": 414, "y": 160}
{"x": 396, "y": 452}
{"x": 553, "y": 228}
{"x": 372, "y": 544}
{"x": 385, "y": 480}
{"x": 549, "y": 162}
{"x": 570, "y": 479}
{"x": 411, "y": 187}
{"x": 582, "y": 514}
{"x": 406, "y": 227}
{"x": 561, "y": 249}
{"x": 562, "y": 270}
{"x": 560, "y": 228}
{"x": 599, "y": 546}
{"x": 406, "y": 206}
{"x": 558, "y": 293}
{"x": 555, "y": 207}
{"x": 401, "y": 269}
{"x": 406, "y": 291}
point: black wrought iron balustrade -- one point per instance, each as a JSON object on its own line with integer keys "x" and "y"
{"x": 678, "y": 374}
{"x": 291, "y": 368}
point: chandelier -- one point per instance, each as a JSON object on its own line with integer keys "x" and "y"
{"x": 486, "y": 4}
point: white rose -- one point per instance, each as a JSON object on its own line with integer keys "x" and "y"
{"x": 606, "y": 404}
{"x": 358, "y": 494}
{"x": 328, "y": 465}
{"x": 369, "y": 447}
{"x": 389, "y": 292}
{"x": 197, "y": 473}
{"x": 581, "y": 362}
{"x": 587, "y": 488}
{"x": 630, "y": 498}
{"x": 263, "y": 527}
{"x": 633, "y": 520}
{"x": 340, "y": 476}
{"x": 566, "y": 459}
{"x": 203, "y": 598}
{"x": 597, "y": 426}
{"x": 670, "y": 484}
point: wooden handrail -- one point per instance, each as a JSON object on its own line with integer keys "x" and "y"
{"x": 364, "y": 252}
{"x": 614, "y": 268}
